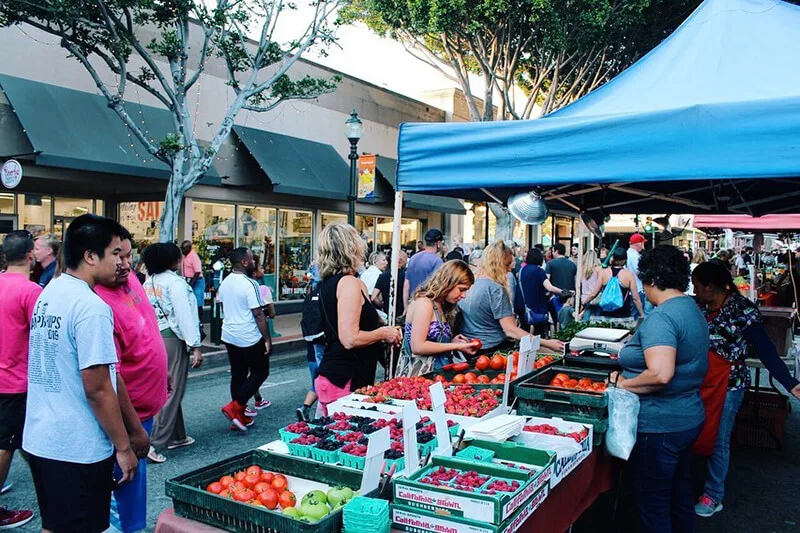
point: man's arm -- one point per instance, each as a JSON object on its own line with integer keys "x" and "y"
{"x": 263, "y": 327}
{"x": 105, "y": 406}
{"x": 140, "y": 440}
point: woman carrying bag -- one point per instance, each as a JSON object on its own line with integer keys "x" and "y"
{"x": 428, "y": 342}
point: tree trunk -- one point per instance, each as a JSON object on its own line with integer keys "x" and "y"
{"x": 503, "y": 227}
{"x": 172, "y": 206}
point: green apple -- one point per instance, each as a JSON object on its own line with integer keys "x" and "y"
{"x": 291, "y": 511}
{"x": 317, "y": 495}
{"x": 338, "y": 496}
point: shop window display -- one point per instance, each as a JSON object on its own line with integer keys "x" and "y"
{"x": 143, "y": 220}
{"x": 213, "y": 230}
{"x": 256, "y": 230}
{"x": 294, "y": 253}
{"x": 35, "y": 213}
{"x": 409, "y": 234}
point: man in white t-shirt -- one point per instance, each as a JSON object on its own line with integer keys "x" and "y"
{"x": 74, "y": 428}
{"x": 637, "y": 242}
{"x": 245, "y": 334}
{"x": 378, "y": 264}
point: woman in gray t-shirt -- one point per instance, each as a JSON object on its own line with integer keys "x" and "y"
{"x": 487, "y": 313}
{"x": 665, "y": 364}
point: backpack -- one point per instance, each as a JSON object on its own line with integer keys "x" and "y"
{"x": 612, "y": 299}
{"x": 311, "y": 324}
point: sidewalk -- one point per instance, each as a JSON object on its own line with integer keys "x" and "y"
{"x": 287, "y": 326}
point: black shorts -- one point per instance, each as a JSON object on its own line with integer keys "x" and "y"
{"x": 12, "y": 420}
{"x": 73, "y": 497}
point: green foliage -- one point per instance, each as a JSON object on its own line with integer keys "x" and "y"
{"x": 170, "y": 145}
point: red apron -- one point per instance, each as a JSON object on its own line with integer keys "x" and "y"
{"x": 713, "y": 392}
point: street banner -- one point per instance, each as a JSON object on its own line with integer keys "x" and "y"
{"x": 366, "y": 176}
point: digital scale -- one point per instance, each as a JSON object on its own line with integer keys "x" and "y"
{"x": 603, "y": 343}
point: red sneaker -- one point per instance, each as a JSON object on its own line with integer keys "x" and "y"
{"x": 235, "y": 413}
{"x": 11, "y": 519}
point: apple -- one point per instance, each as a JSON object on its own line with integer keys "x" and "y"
{"x": 317, "y": 495}
{"x": 338, "y": 496}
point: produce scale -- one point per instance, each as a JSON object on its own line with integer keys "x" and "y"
{"x": 476, "y": 447}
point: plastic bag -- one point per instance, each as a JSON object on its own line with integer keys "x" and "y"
{"x": 623, "y": 421}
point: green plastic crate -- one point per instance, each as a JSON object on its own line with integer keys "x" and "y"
{"x": 536, "y": 397}
{"x": 473, "y": 453}
{"x": 287, "y": 436}
{"x": 300, "y": 450}
{"x": 330, "y": 457}
{"x": 428, "y": 447}
{"x": 191, "y": 500}
{"x": 352, "y": 461}
{"x": 401, "y": 464}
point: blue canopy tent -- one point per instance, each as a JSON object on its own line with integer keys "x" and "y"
{"x": 707, "y": 122}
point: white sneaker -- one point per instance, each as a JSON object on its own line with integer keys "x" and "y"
{"x": 155, "y": 457}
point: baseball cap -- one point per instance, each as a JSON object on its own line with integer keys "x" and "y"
{"x": 433, "y": 236}
{"x": 637, "y": 238}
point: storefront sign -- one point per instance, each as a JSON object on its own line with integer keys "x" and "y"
{"x": 11, "y": 173}
{"x": 366, "y": 176}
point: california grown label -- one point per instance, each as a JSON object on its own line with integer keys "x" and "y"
{"x": 458, "y": 505}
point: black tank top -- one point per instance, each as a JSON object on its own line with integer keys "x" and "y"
{"x": 340, "y": 365}
{"x": 626, "y": 311}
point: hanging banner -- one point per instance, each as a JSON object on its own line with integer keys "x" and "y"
{"x": 11, "y": 173}
{"x": 366, "y": 176}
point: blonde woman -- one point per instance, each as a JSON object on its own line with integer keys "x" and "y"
{"x": 350, "y": 321}
{"x": 698, "y": 258}
{"x": 428, "y": 342}
{"x": 590, "y": 270}
{"x": 487, "y": 311}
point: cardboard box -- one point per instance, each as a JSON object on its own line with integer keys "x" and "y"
{"x": 415, "y": 520}
{"x": 493, "y": 509}
{"x": 542, "y": 462}
{"x": 569, "y": 454}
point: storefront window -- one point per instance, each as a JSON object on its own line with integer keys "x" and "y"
{"x": 6, "y": 203}
{"x": 409, "y": 234}
{"x": 521, "y": 233}
{"x": 67, "y": 210}
{"x": 256, "y": 230}
{"x": 366, "y": 228}
{"x": 99, "y": 207}
{"x": 330, "y": 218}
{"x": 143, "y": 220}
{"x": 212, "y": 230}
{"x": 295, "y": 252}
{"x": 35, "y": 213}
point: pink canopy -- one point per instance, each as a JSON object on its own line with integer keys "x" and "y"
{"x": 767, "y": 223}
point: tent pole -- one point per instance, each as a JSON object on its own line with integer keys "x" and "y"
{"x": 393, "y": 295}
{"x": 579, "y": 275}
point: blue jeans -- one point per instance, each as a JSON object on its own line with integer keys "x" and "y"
{"x": 720, "y": 457}
{"x": 129, "y": 502}
{"x": 661, "y": 465}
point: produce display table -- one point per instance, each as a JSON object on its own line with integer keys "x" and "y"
{"x": 565, "y": 504}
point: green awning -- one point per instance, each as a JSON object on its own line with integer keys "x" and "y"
{"x": 387, "y": 168}
{"x": 76, "y": 129}
{"x": 297, "y": 166}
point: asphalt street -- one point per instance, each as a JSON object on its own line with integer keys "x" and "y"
{"x": 763, "y": 486}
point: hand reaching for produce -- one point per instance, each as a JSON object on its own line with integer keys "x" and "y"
{"x": 553, "y": 344}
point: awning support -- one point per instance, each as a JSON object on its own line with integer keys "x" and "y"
{"x": 396, "y": 229}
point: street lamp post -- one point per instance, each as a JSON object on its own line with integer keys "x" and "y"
{"x": 353, "y": 129}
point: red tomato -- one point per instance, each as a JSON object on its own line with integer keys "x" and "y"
{"x": 287, "y": 499}
{"x": 279, "y": 482}
{"x": 562, "y": 376}
{"x": 268, "y": 498}
{"x": 215, "y": 487}
{"x": 477, "y": 343}
{"x": 458, "y": 378}
{"x": 245, "y": 495}
{"x": 239, "y": 476}
{"x": 483, "y": 378}
{"x": 538, "y": 364}
{"x": 449, "y": 366}
{"x": 251, "y": 480}
{"x": 237, "y": 486}
{"x": 226, "y": 481}
{"x": 253, "y": 470}
{"x": 497, "y": 362}
{"x": 585, "y": 382}
{"x": 261, "y": 486}
{"x": 440, "y": 379}
{"x": 266, "y": 477}
{"x": 501, "y": 376}
{"x": 482, "y": 363}
{"x": 460, "y": 367}
{"x": 470, "y": 377}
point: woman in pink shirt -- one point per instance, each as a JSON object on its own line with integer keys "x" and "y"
{"x": 192, "y": 270}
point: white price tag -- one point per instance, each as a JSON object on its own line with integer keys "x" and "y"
{"x": 411, "y": 452}
{"x": 377, "y": 445}
{"x": 438, "y": 400}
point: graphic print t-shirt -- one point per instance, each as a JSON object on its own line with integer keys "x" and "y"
{"x": 72, "y": 329}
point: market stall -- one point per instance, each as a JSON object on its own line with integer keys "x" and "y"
{"x": 467, "y": 449}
